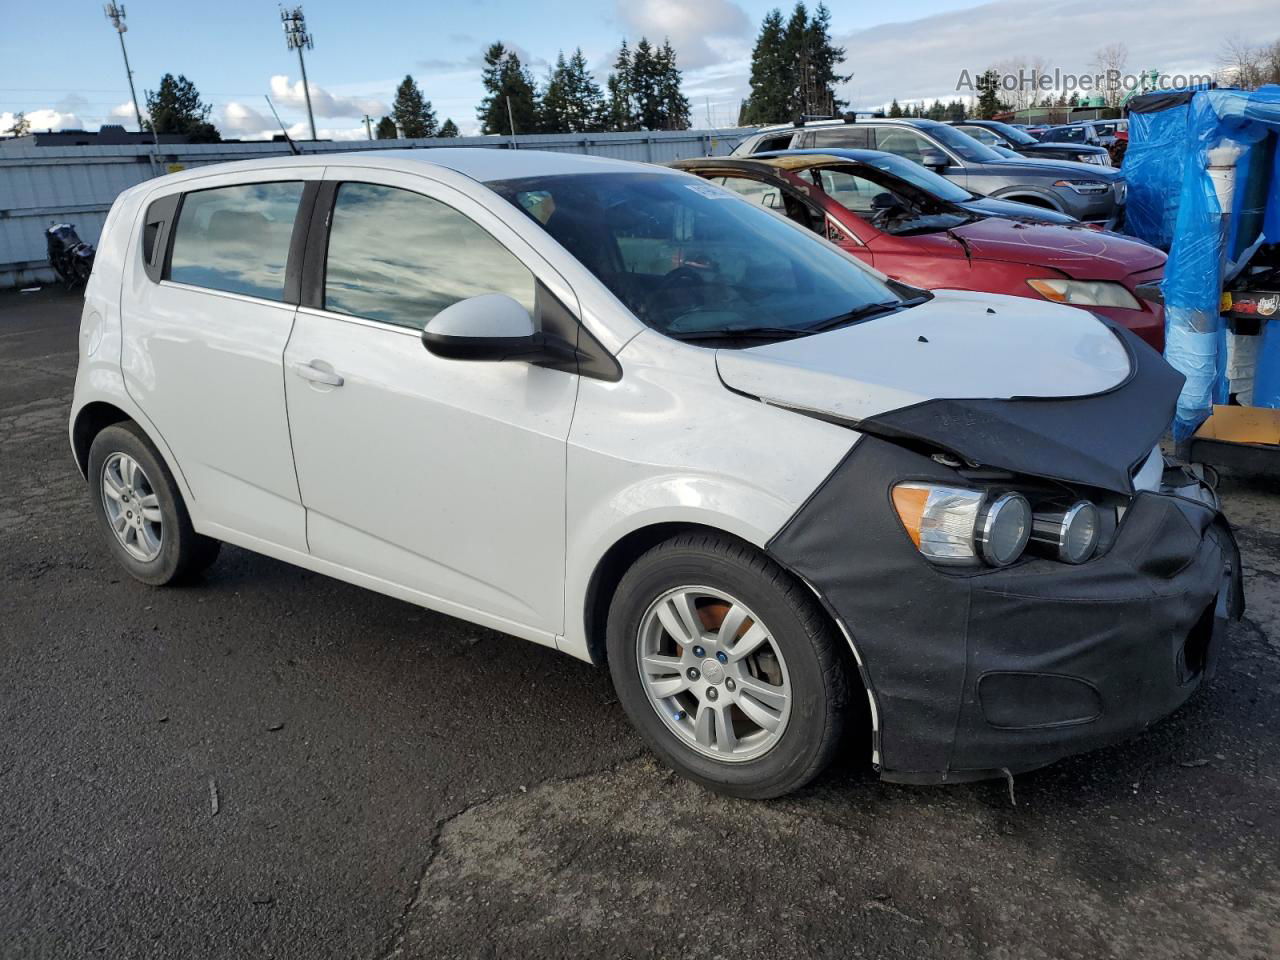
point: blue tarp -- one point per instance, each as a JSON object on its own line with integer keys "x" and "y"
{"x": 1172, "y": 204}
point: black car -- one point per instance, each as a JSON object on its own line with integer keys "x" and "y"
{"x": 996, "y": 134}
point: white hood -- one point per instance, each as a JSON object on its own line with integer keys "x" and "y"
{"x": 958, "y": 346}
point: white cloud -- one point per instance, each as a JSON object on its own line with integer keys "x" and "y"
{"x": 324, "y": 103}
{"x": 924, "y": 58}
{"x": 239, "y": 120}
{"x": 702, "y": 33}
{"x": 43, "y": 119}
{"x": 123, "y": 112}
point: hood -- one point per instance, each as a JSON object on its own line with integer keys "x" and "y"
{"x": 1003, "y": 382}
{"x": 1060, "y": 169}
{"x": 1055, "y": 145}
{"x": 959, "y": 345}
{"x": 1012, "y": 209}
{"x": 1078, "y": 251}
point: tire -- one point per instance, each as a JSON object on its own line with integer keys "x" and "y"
{"x": 179, "y": 552}
{"x": 800, "y": 658}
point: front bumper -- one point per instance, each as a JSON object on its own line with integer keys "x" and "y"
{"x": 975, "y": 674}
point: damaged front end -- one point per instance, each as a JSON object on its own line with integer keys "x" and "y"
{"x": 982, "y": 662}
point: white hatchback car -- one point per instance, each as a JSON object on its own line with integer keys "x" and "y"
{"x": 658, "y": 426}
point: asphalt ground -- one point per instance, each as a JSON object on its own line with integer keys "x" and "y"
{"x": 390, "y": 782}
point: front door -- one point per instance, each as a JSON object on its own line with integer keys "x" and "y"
{"x": 443, "y": 477}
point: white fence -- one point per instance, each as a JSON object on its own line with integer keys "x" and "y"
{"x": 39, "y": 185}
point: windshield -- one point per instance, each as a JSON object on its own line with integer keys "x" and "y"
{"x": 1011, "y": 133}
{"x": 921, "y": 177}
{"x": 890, "y": 203}
{"x": 688, "y": 257}
{"x": 964, "y": 145}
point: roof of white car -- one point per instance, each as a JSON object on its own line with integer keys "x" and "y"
{"x": 478, "y": 163}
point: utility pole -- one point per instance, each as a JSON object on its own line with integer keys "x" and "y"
{"x": 368, "y": 126}
{"x": 116, "y": 15}
{"x": 512, "y": 120}
{"x": 297, "y": 38}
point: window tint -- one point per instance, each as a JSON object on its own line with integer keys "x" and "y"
{"x": 401, "y": 258}
{"x": 774, "y": 143}
{"x": 236, "y": 238}
{"x": 1066, "y": 135}
{"x": 851, "y": 138}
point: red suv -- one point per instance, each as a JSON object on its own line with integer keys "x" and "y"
{"x": 920, "y": 228}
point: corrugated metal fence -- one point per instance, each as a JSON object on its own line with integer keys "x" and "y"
{"x": 39, "y": 185}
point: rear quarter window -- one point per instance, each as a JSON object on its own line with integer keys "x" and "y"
{"x": 236, "y": 238}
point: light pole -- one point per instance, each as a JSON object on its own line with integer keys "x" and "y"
{"x": 297, "y": 38}
{"x": 116, "y": 15}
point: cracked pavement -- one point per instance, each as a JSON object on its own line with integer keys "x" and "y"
{"x": 391, "y": 782}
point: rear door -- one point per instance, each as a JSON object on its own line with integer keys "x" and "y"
{"x": 442, "y": 477}
{"x": 207, "y": 311}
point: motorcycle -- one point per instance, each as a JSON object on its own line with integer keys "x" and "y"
{"x": 70, "y": 257}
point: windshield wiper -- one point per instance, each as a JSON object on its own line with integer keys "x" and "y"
{"x": 865, "y": 312}
{"x": 743, "y": 333}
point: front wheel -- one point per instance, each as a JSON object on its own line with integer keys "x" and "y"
{"x": 727, "y": 666}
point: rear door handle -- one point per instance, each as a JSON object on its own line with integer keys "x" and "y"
{"x": 309, "y": 371}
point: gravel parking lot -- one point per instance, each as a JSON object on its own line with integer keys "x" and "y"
{"x": 271, "y": 763}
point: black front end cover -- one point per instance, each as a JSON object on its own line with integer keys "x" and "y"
{"x": 1096, "y": 440}
{"x": 975, "y": 671}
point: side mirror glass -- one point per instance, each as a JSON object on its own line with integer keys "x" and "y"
{"x": 492, "y": 327}
{"x": 933, "y": 159}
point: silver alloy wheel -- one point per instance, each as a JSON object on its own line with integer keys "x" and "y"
{"x": 133, "y": 510}
{"x": 714, "y": 673}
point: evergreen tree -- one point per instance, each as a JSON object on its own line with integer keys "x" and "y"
{"x": 673, "y": 104}
{"x": 955, "y": 110}
{"x": 448, "y": 129}
{"x": 412, "y": 112}
{"x": 21, "y": 125}
{"x": 823, "y": 57}
{"x": 894, "y": 109}
{"x": 989, "y": 103}
{"x": 770, "y": 99}
{"x": 571, "y": 102}
{"x": 511, "y": 94}
{"x": 386, "y": 129}
{"x": 621, "y": 113}
{"x": 176, "y": 108}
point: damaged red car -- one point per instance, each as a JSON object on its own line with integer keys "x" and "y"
{"x": 917, "y": 227}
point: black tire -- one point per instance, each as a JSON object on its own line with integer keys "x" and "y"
{"x": 806, "y": 638}
{"x": 183, "y": 552}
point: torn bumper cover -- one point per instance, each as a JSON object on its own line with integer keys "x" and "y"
{"x": 976, "y": 672}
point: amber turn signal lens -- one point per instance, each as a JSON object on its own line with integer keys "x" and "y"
{"x": 910, "y": 502}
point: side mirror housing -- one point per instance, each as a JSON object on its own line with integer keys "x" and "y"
{"x": 492, "y": 327}
{"x": 934, "y": 159}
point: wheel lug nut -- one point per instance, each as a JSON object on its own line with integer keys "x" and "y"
{"x": 722, "y": 656}
{"x": 712, "y": 693}
{"x": 693, "y": 673}
{"x": 730, "y": 685}
{"x": 699, "y": 652}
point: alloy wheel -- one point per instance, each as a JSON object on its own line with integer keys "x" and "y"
{"x": 132, "y": 508}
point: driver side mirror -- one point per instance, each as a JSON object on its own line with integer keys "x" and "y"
{"x": 884, "y": 204}
{"x": 492, "y": 327}
{"x": 934, "y": 159}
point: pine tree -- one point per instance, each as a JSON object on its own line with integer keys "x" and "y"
{"x": 621, "y": 113}
{"x": 176, "y": 108}
{"x": 511, "y": 94}
{"x": 412, "y": 112}
{"x": 21, "y": 125}
{"x": 989, "y": 95}
{"x": 823, "y": 58}
{"x": 770, "y": 99}
{"x": 894, "y": 109}
{"x": 386, "y": 129}
{"x": 448, "y": 128}
{"x": 674, "y": 105}
{"x": 571, "y": 102}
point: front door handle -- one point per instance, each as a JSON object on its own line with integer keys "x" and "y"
{"x": 309, "y": 371}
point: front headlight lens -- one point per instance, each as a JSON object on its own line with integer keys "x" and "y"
{"x": 1086, "y": 187}
{"x": 955, "y": 525}
{"x": 1071, "y": 534}
{"x": 1005, "y": 529}
{"x": 1086, "y": 293}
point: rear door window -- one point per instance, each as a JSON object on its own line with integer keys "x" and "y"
{"x": 236, "y": 238}
{"x": 400, "y": 257}
{"x": 766, "y": 195}
{"x": 851, "y": 137}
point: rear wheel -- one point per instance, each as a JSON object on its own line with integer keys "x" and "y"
{"x": 141, "y": 511}
{"x": 727, "y": 666}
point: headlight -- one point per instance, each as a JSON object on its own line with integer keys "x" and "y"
{"x": 955, "y": 525}
{"x": 1072, "y": 534}
{"x": 1086, "y": 293}
{"x": 1087, "y": 187}
{"x": 1100, "y": 159}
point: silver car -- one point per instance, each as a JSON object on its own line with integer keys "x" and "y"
{"x": 1086, "y": 191}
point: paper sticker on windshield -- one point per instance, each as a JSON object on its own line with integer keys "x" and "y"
{"x": 710, "y": 192}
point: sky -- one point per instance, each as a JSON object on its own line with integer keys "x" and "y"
{"x": 67, "y": 71}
